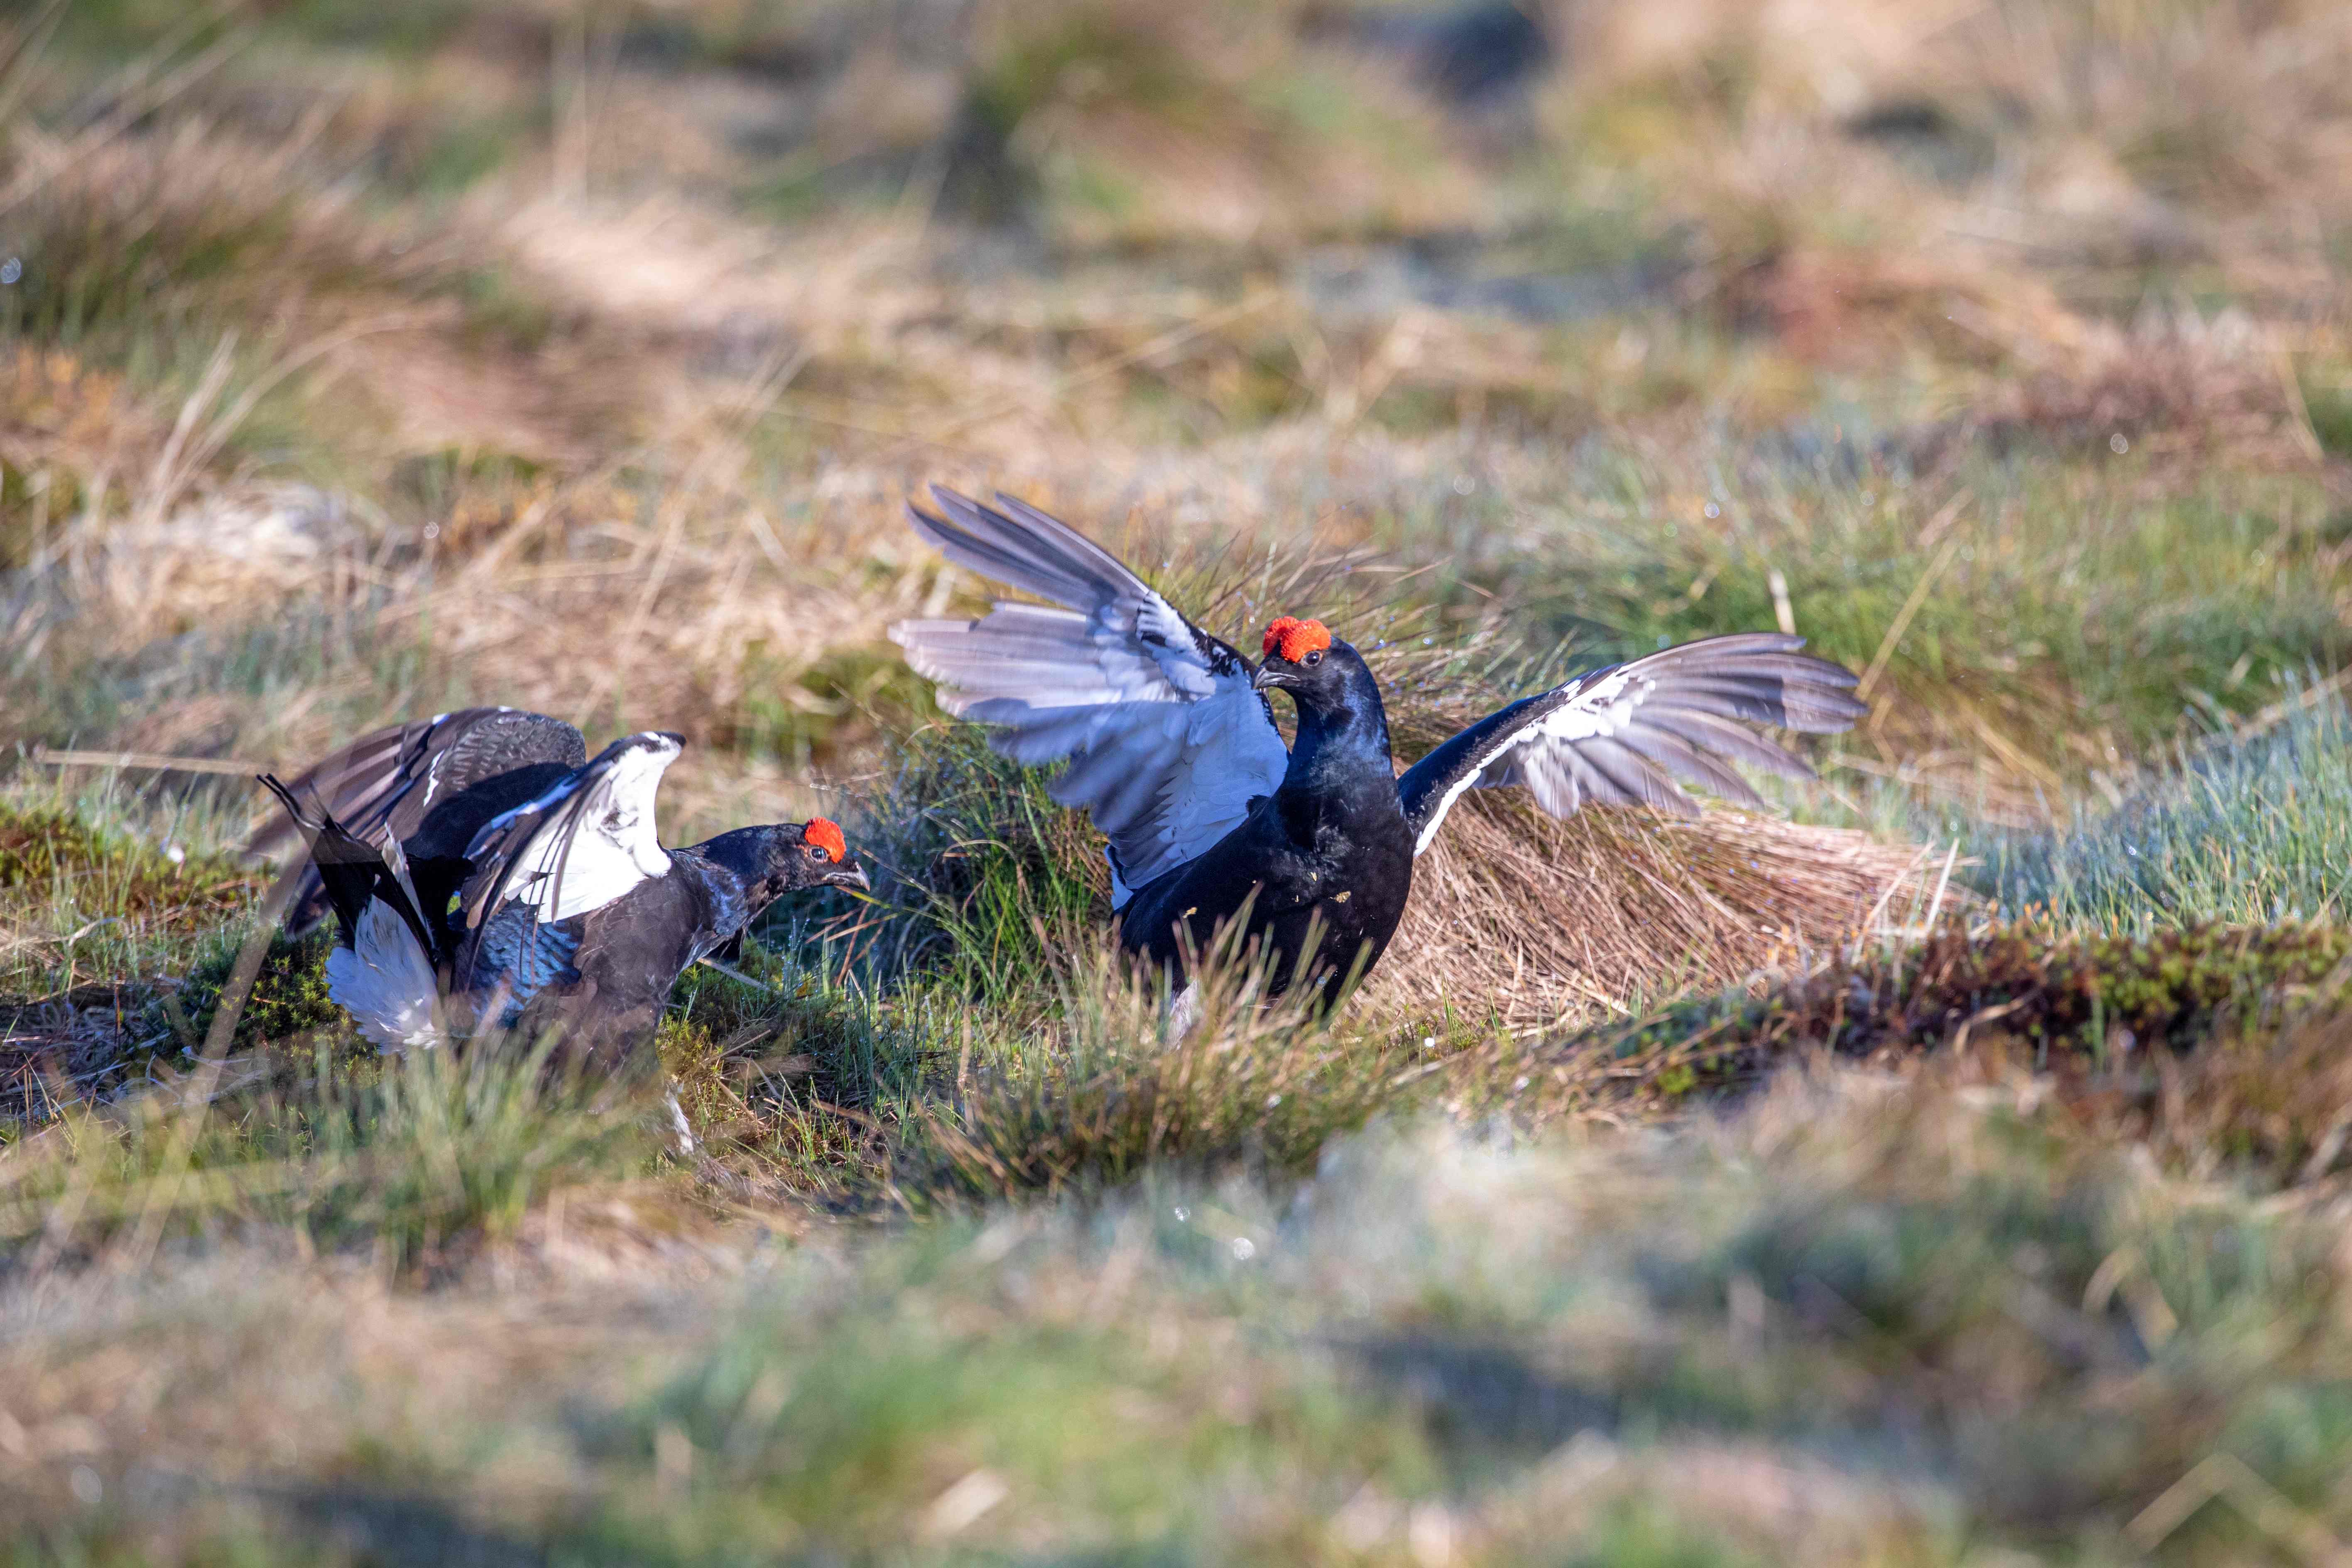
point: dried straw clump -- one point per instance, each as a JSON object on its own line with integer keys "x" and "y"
{"x": 58, "y": 412}
{"x": 2172, "y": 384}
{"x": 209, "y": 559}
{"x": 1548, "y": 921}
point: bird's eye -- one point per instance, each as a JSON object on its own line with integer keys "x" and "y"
{"x": 819, "y": 852}
{"x": 1312, "y": 659}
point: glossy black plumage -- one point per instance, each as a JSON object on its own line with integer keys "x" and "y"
{"x": 1171, "y": 746}
{"x": 1329, "y": 851}
{"x": 350, "y": 872}
{"x": 626, "y": 956}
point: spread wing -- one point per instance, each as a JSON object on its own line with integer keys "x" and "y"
{"x": 1626, "y": 734}
{"x": 1167, "y": 742}
{"x": 379, "y": 787}
{"x": 583, "y": 843}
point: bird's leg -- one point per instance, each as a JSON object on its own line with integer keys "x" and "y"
{"x": 1183, "y": 1012}
{"x": 685, "y": 1145}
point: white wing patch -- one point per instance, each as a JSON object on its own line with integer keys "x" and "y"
{"x": 595, "y": 840}
{"x": 1635, "y": 734}
{"x": 1606, "y": 710}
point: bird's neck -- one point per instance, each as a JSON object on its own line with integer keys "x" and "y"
{"x": 1342, "y": 742}
{"x": 725, "y": 889}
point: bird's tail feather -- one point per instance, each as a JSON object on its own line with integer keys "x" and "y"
{"x": 385, "y": 980}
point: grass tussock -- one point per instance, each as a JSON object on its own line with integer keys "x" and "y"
{"x": 414, "y": 1162}
{"x": 976, "y": 871}
{"x": 1533, "y": 923}
{"x": 802, "y": 1080}
{"x": 1109, "y": 1090}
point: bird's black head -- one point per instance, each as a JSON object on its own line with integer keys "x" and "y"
{"x": 1333, "y": 687}
{"x": 784, "y": 857}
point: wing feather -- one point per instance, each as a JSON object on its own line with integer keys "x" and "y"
{"x": 352, "y": 873}
{"x": 587, "y": 840}
{"x": 1629, "y": 733}
{"x": 1627, "y": 778}
{"x": 1683, "y": 761}
{"x": 379, "y": 786}
{"x": 1720, "y": 735}
{"x": 1167, "y": 741}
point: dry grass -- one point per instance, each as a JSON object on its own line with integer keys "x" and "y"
{"x": 722, "y": 413}
{"x": 1535, "y": 923}
{"x": 724, "y": 562}
{"x": 2272, "y": 1101}
{"x": 585, "y": 435}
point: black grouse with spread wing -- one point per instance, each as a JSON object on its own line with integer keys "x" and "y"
{"x": 1172, "y": 748}
{"x": 562, "y": 910}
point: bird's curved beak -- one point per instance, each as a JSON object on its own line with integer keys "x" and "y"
{"x": 1270, "y": 677}
{"x": 848, "y": 877}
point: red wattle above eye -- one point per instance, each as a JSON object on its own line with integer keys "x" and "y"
{"x": 1292, "y": 638}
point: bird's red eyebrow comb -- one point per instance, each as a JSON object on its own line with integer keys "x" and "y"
{"x": 826, "y": 836}
{"x": 1292, "y": 638}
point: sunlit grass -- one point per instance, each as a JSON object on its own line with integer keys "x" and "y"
{"x": 403, "y": 1158}
{"x": 2246, "y": 832}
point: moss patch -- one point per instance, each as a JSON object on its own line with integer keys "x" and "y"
{"x": 49, "y": 855}
{"x": 290, "y": 998}
{"x": 2100, "y": 997}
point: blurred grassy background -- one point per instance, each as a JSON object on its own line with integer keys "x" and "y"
{"x": 358, "y": 360}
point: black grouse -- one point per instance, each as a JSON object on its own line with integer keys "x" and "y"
{"x": 1172, "y": 748}
{"x": 561, "y": 910}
